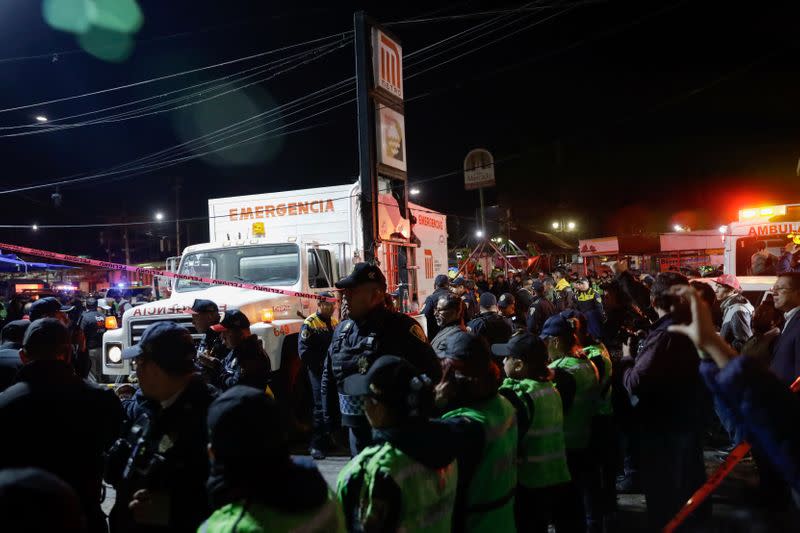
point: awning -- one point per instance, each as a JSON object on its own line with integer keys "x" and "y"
{"x": 12, "y": 263}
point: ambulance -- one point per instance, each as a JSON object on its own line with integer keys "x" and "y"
{"x": 300, "y": 241}
{"x": 775, "y": 226}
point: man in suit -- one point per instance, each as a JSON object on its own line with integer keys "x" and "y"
{"x": 786, "y": 350}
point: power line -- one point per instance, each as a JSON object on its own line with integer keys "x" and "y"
{"x": 340, "y": 35}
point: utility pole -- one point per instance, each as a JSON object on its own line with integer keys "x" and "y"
{"x": 127, "y": 246}
{"x": 178, "y": 215}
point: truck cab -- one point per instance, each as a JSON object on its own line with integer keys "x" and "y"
{"x": 276, "y": 318}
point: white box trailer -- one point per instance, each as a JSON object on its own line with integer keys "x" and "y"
{"x": 302, "y": 241}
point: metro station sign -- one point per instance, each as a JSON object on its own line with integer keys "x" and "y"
{"x": 387, "y": 62}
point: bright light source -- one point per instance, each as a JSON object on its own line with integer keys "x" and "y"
{"x": 41, "y": 118}
{"x": 556, "y": 225}
{"x": 159, "y": 216}
{"x": 479, "y": 234}
{"x": 678, "y": 227}
{"x": 570, "y": 226}
{"x": 723, "y": 229}
{"x": 35, "y": 227}
{"x": 748, "y": 213}
{"x": 413, "y": 191}
{"x": 766, "y": 211}
{"x": 121, "y": 285}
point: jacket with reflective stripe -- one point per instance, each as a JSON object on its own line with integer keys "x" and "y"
{"x": 542, "y": 460}
{"x": 599, "y": 351}
{"x": 428, "y": 495}
{"x": 577, "y": 421}
{"x": 248, "y": 517}
{"x": 490, "y": 494}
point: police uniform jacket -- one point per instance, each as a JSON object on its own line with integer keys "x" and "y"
{"x": 356, "y": 345}
{"x": 315, "y": 339}
{"x": 181, "y": 436}
{"x": 211, "y": 344}
{"x": 492, "y": 327}
{"x": 247, "y": 364}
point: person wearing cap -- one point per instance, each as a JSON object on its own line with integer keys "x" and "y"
{"x": 254, "y": 483}
{"x": 313, "y": 343}
{"x": 524, "y": 298}
{"x": 371, "y": 331}
{"x": 450, "y": 319}
{"x": 460, "y": 287}
{"x": 577, "y": 381}
{"x": 489, "y": 324}
{"x": 54, "y": 420}
{"x": 247, "y": 363}
{"x": 407, "y": 480}
{"x": 737, "y": 311}
{"x": 32, "y": 499}
{"x": 480, "y": 283}
{"x": 92, "y": 323}
{"x": 507, "y": 306}
{"x": 168, "y": 411}
{"x": 602, "y": 496}
{"x": 539, "y": 310}
{"x": 484, "y": 425}
{"x": 542, "y": 470}
{"x": 564, "y": 296}
{"x": 211, "y": 350}
{"x": 51, "y": 307}
{"x": 10, "y": 342}
{"x": 590, "y": 304}
{"x": 441, "y": 287}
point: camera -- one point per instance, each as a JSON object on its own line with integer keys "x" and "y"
{"x": 135, "y": 461}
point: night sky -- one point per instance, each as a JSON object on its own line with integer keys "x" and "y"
{"x": 624, "y": 116}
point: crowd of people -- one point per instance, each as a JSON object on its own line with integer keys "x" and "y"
{"x": 530, "y": 403}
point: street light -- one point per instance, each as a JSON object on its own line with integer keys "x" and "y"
{"x": 159, "y": 216}
{"x": 570, "y": 226}
{"x": 35, "y": 227}
{"x": 479, "y": 234}
{"x": 678, "y": 227}
{"x": 41, "y": 118}
{"x": 413, "y": 191}
{"x": 556, "y": 225}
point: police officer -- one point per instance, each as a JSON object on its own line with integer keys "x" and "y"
{"x": 371, "y": 330}
{"x": 211, "y": 351}
{"x": 441, "y": 288}
{"x": 247, "y": 363}
{"x": 160, "y": 467}
{"x": 489, "y": 324}
{"x": 449, "y": 317}
{"x": 312, "y": 347}
{"x": 405, "y": 481}
{"x": 507, "y": 305}
{"x": 459, "y": 287}
{"x": 93, "y": 324}
{"x": 539, "y": 310}
{"x": 255, "y": 485}
{"x": 51, "y": 307}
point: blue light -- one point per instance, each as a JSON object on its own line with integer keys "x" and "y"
{"x": 121, "y": 285}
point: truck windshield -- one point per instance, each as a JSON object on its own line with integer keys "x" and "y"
{"x": 271, "y": 265}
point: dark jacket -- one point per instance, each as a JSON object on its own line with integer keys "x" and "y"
{"x": 315, "y": 338}
{"x": 429, "y": 310}
{"x": 785, "y": 264}
{"x": 247, "y": 364}
{"x": 491, "y": 327}
{"x": 763, "y": 409}
{"x": 356, "y": 345}
{"x": 181, "y": 436}
{"x": 413, "y": 440}
{"x": 539, "y": 311}
{"x": 786, "y": 352}
{"x": 524, "y": 299}
{"x": 664, "y": 382}
{"x": 439, "y": 342}
{"x": 92, "y": 323}
{"x": 53, "y": 420}
{"x": 498, "y": 289}
{"x": 10, "y": 363}
{"x": 635, "y": 289}
{"x": 212, "y": 345}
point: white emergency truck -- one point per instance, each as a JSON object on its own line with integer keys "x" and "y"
{"x": 303, "y": 241}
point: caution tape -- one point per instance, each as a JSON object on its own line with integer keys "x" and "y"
{"x": 156, "y": 272}
{"x": 701, "y": 494}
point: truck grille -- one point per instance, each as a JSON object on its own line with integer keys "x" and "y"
{"x": 138, "y": 326}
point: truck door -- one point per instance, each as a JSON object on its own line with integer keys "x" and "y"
{"x": 320, "y": 269}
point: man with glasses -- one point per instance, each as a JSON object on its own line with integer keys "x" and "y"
{"x": 371, "y": 331}
{"x": 786, "y": 350}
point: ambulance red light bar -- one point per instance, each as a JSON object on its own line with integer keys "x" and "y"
{"x": 762, "y": 212}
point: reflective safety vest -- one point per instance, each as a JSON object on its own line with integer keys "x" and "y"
{"x": 490, "y": 494}
{"x": 248, "y": 517}
{"x": 596, "y": 353}
{"x": 578, "y": 420}
{"x": 542, "y": 456}
{"x": 428, "y": 494}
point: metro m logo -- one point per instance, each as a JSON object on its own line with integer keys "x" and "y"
{"x": 388, "y": 64}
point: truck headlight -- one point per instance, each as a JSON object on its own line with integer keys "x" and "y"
{"x": 114, "y": 354}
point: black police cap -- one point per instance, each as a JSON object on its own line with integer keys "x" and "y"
{"x": 523, "y": 346}
{"x": 14, "y": 331}
{"x": 167, "y": 344}
{"x": 203, "y": 306}
{"x": 232, "y": 432}
{"x": 362, "y": 273}
{"x": 46, "y": 307}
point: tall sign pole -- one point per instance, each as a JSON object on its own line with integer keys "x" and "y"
{"x": 479, "y": 174}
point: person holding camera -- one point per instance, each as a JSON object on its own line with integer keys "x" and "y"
{"x": 160, "y": 467}
{"x": 54, "y": 420}
{"x": 669, "y": 405}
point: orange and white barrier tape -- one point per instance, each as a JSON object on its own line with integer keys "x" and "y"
{"x": 165, "y": 273}
{"x": 701, "y": 494}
